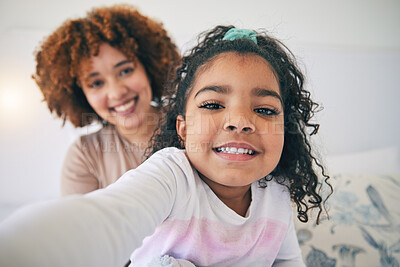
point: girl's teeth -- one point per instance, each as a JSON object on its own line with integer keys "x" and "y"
{"x": 234, "y": 150}
{"x": 125, "y": 107}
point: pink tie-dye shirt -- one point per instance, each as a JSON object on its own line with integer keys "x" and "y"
{"x": 203, "y": 230}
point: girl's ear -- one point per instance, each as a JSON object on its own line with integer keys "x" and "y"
{"x": 181, "y": 127}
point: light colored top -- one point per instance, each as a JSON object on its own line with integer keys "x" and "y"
{"x": 164, "y": 204}
{"x": 97, "y": 160}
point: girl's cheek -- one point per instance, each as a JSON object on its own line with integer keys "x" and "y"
{"x": 199, "y": 124}
{"x": 197, "y": 147}
{"x": 211, "y": 125}
{"x": 278, "y": 127}
{"x": 274, "y": 127}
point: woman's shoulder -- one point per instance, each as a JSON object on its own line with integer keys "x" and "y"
{"x": 107, "y": 132}
{"x": 105, "y": 135}
{"x": 93, "y": 142}
{"x": 84, "y": 151}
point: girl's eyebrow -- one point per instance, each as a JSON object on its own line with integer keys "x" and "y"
{"x": 214, "y": 88}
{"x": 94, "y": 74}
{"x": 259, "y": 92}
{"x": 266, "y": 92}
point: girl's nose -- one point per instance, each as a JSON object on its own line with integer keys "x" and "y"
{"x": 117, "y": 89}
{"x": 240, "y": 123}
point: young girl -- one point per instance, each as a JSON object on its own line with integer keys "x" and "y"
{"x": 108, "y": 67}
{"x": 235, "y": 151}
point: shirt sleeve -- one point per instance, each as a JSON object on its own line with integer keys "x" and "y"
{"x": 289, "y": 254}
{"x": 101, "y": 228}
{"x": 77, "y": 175}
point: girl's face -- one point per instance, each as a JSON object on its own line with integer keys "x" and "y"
{"x": 117, "y": 88}
{"x": 233, "y": 129}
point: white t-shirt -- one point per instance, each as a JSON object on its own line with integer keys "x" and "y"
{"x": 166, "y": 205}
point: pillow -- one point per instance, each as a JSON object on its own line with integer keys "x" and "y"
{"x": 364, "y": 224}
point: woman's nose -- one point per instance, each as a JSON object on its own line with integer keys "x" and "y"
{"x": 117, "y": 89}
{"x": 239, "y": 122}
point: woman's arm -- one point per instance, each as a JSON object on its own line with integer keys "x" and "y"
{"x": 101, "y": 228}
{"x": 77, "y": 175}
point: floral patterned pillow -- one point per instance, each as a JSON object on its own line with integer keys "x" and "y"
{"x": 363, "y": 227}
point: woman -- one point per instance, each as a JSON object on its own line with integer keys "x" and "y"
{"x": 109, "y": 67}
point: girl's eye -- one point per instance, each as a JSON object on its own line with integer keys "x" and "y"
{"x": 211, "y": 105}
{"x": 126, "y": 71}
{"x": 96, "y": 84}
{"x": 267, "y": 111}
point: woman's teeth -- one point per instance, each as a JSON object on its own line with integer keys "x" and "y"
{"x": 235, "y": 150}
{"x": 125, "y": 107}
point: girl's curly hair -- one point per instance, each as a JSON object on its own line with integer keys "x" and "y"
{"x": 297, "y": 162}
{"x": 124, "y": 28}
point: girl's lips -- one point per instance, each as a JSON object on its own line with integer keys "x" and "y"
{"x": 236, "y": 151}
{"x": 235, "y": 147}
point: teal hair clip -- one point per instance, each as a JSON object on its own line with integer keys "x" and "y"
{"x": 234, "y": 34}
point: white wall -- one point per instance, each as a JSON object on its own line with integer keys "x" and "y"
{"x": 350, "y": 51}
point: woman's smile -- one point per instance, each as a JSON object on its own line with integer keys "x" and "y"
{"x": 126, "y": 108}
{"x": 118, "y": 89}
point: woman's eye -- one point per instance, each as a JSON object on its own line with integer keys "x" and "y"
{"x": 96, "y": 84}
{"x": 267, "y": 111}
{"x": 211, "y": 106}
{"x": 126, "y": 71}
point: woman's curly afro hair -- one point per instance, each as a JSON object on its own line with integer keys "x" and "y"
{"x": 124, "y": 28}
{"x": 296, "y": 167}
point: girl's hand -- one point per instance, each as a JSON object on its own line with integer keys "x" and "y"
{"x": 168, "y": 261}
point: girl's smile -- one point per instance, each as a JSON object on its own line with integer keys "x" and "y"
{"x": 236, "y": 151}
{"x": 233, "y": 126}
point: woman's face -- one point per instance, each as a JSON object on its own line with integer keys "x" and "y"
{"x": 118, "y": 89}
